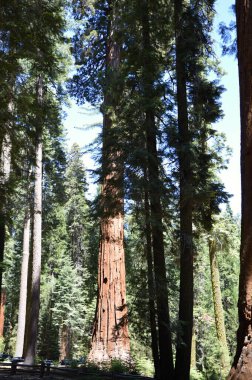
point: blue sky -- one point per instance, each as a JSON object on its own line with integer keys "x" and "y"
{"x": 230, "y": 124}
{"x": 78, "y": 118}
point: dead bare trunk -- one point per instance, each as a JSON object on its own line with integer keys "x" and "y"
{"x": 243, "y": 358}
{"x": 37, "y": 232}
{"x": 23, "y": 287}
{"x": 110, "y": 339}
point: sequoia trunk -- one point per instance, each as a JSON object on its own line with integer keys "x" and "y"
{"x": 110, "y": 339}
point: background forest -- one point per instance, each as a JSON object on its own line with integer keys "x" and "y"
{"x": 151, "y": 69}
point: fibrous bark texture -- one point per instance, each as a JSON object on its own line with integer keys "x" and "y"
{"x": 110, "y": 339}
{"x": 242, "y": 365}
{"x": 218, "y": 309}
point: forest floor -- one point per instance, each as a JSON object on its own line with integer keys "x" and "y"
{"x": 53, "y": 377}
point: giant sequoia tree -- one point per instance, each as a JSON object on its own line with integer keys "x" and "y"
{"x": 110, "y": 337}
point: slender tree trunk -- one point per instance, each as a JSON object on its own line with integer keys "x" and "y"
{"x": 218, "y": 309}
{"x": 151, "y": 286}
{"x": 165, "y": 345}
{"x": 5, "y": 166}
{"x": 110, "y": 337}
{"x": 2, "y": 309}
{"x": 243, "y": 358}
{"x": 194, "y": 349}
{"x": 183, "y": 354}
{"x": 23, "y": 286}
{"x": 37, "y": 230}
{"x": 65, "y": 342}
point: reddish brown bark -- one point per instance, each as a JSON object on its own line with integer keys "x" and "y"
{"x": 242, "y": 366}
{"x": 110, "y": 339}
{"x": 110, "y": 336}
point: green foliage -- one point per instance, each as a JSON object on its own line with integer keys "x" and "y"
{"x": 144, "y": 366}
{"x": 118, "y": 366}
{"x": 2, "y": 344}
{"x": 196, "y": 375}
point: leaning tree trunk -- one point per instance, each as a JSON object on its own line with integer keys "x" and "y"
{"x": 33, "y": 319}
{"x": 110, "y": 339}
{"x": 243, "y": 358}
{"x": 163, "y": 316}
{"x": 23, "y": 286}
{"x": 218, "y": 309}
{"x": 183, "y": 354}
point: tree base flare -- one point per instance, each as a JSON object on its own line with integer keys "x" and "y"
{"x": 100, "y": 357}
{"x": 243, "y": 371}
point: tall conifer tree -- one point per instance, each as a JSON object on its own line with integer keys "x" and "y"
{"x": 149, "y": 76}
{"x": 242, "y": 365}
{"x": 185, "y": 203}
{"x": 99, "y": 79}
{"x": 110, "y": 339}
